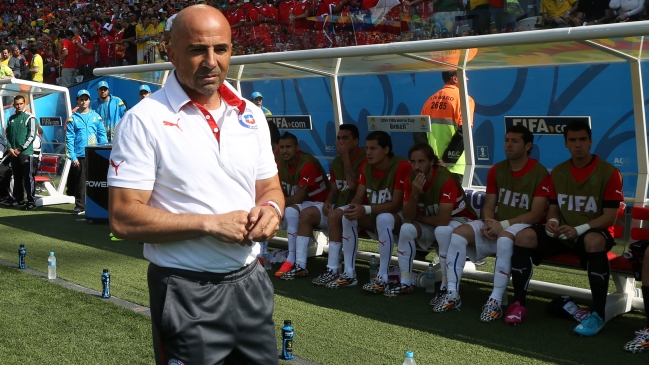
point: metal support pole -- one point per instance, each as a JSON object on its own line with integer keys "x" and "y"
{"x": 640, "y": 131}
{"x": 335, "y": 97}
{"x": 467, "y": 119}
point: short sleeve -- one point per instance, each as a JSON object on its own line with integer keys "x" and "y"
{"x": 133, "y": 159}
{"x": 403, "y": 173}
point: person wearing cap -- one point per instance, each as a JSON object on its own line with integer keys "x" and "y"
{"x": 145, "y": 91}
{"x": 84, "y": 128}
{"x": 257, "y": 99}
{"x": 111, "y": 108}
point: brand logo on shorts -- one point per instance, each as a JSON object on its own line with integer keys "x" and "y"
{"x": 175, "y": 362}
{"x": 247, "y": 119}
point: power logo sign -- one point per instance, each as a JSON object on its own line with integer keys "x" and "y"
{"x": 543, "y": 125}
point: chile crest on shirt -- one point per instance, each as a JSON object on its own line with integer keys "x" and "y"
{"x": 247, "y": 119}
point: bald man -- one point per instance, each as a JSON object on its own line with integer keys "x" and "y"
{"x": 202, "y": 191}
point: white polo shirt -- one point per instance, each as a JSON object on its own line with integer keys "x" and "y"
{"x": 165, "y": 145}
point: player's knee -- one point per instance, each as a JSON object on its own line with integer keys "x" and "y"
{"x": 464, "y": 230}
{"x": 594, "y": 242}
{"x": 504, "y": 247}
{"x": 385, "y": 220}
{"x": 310, "y": 216}
{"x": 292, "y": 214}
{"x": 443, "y": 231}
{"x": 526, "y": 238}
{"x": 408, "y": 232}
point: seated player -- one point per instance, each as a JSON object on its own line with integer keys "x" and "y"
{"x": 640, "y": 250}
{"x": 432, "y": 198}
{"x": 346, "y": 168}
{"x": 585, "y": 194}
{"x": 305, "y": 184}
{"x": 381, "y": 185}
{"x": 517, "y": 194}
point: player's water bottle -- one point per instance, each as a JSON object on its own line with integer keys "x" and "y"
{"x": 410, "y": 358}
{"x": 51, "y": 266}
{"x": 22, "y": 252}
{"x": 373, "y": 267}
{"x": 430, "y": 279}
{"x": 105, "y": 284}
{"x": 287, "y": 340}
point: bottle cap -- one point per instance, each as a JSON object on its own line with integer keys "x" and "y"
{"x": 105, "y": 270}
{"x": 287, "y": 322}
{"x": 410, "y": 354}
{"x": 51, "y": 252}
{"x": 373, "y": 256}
{"x": 22, "y": 246}
{"x": 430, "y": 264}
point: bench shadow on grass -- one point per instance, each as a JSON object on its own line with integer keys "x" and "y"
{"x": 56, "y": 222}
{"x": 541, "y": 337}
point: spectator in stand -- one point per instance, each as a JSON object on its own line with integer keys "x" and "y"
{"x": 236, "y": 18}
{"x": 263, "y": 17}
{"x": 143, "y": 34}
{"x": 16, "y": 61}
{"x": 478, "y": 12}
{"x": 85, "y": 56}
{"x": 170, "y": 21}
{"x": 284, "y": 11}
{"x": 36, "y": 64}
{"x": 68, "y": 58}
{"x": 159, "y": 29}
{"x": 104, "y": 48}
{"x": 145, "y": 91}
{"x": 557, "y": 13}
{"x": 628, "y": 10}
{"x": 118, "y": 49}
{"x": 4, "y": 57}
{"x": 128, "y": 39}
{"x": 5, "y": 72}
{"x": 593, "y": 12}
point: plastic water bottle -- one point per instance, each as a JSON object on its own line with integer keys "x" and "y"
{"x": 22, "y": 252}
{"x": 105, "y": 284}
{"x": 51, "y": 266}
{"x": 410, "y": 358}
{"x": 430, "y": 279}
{"x": 287, "y": 340}
{"x": 373, "y": 267}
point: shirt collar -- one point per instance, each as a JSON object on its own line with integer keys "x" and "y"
{"x": 178, "y": 98}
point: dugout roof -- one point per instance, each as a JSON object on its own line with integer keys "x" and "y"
{"x": 609, "y": 43}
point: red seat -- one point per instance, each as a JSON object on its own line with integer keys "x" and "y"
{"x": 642, "y": 214}
{"x": 49, "y": 165}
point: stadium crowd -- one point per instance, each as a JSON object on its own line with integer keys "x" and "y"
{"x": 74, "y": 38}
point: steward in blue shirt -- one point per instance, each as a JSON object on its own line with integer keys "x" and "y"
{"x": 84, "y": 128}
{"x": 111, "y": 109}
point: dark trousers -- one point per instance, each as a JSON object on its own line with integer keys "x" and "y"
{"x": 208, "y": 318}
{"x": 5, "y": 180}
{"x": 21, "y": 167}
{"x": 86, "y": 71}
{"x": 77, "y": 183}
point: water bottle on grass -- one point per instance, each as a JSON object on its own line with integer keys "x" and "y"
{"x": 22, "y": 252}
{"x": 430, "y": 279}
{"x": 410, "y": 358}
{"x": 373, "y": 267}
{"x": 287, "y": 340}
{"x": 105, "y": 284}
{"x": 51, "y": 266}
